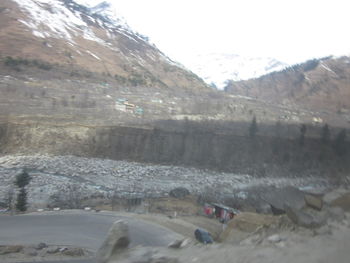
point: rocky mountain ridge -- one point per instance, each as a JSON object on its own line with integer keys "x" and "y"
{"x": 121, "y": 98}
{"x": 320, "y": 85}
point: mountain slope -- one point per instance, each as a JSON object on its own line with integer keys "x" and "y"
{"x": 319, "y": 84}
{"x": 66, "y": 33}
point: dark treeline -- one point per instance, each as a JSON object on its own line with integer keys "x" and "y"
{"x": 233, "y": 147}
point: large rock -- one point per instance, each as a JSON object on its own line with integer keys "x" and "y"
{"x": 117, "y": 240}
{"x": 30, "y": 251}
{"x": 179, "y": 192}
{"x": 274, "y": 238}
{"x": 287, "y": 196}
{"x": 41, "y": 246}
{"x": 249, "y": 222}
{"x": 53, "y": 250}
{"x": 74, "y": 252}
{"x": 343, "y": 202}
{"x": 10, "y": 249}
{"x": 304, "y": 219}
{"x": 335, "y": 214}
{"x": 313, "y": 201}
{"x": 331, "y": 196}
{"x": 175, "y": 244}
{"x": 242, "y": 225}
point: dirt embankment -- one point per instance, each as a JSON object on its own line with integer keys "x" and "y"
{"x": 251, "y": 237}
{"x": 261, "y": 155}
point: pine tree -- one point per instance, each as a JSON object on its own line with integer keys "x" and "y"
{"x": 21, "y": 204}
{"x": 340, "y": 143}
{"x": 326, "y": 134}
{"x": 22, "y": 180}
{"x": 253, "y": 128}
{"x": 302, "y": 134}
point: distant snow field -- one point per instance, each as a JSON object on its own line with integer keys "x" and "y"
{"x": 217, "y": 68}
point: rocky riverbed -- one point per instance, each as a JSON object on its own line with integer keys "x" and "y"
{"x": 54, "y": 175}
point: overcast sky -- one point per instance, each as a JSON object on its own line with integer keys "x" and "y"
{"x": 289, "y": 30}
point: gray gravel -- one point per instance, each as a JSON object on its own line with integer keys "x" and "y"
{"x": 101, "y": 177}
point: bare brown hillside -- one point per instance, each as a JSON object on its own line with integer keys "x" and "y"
{"x": 73, "y": 81}
{"x": 72, "y": 35}
{"x": 321, "y": 85}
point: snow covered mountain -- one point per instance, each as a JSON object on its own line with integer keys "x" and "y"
{"x": 218, "y": 68}
{"x": 87, "y": 35}
{"x": 93, "y": 36}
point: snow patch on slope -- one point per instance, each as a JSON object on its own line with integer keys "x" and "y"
{"x": 66, "y": 19}
{"x": 49, "y": 14}
{"x": 52, "y": 18}
{"x": 92, "y": 54}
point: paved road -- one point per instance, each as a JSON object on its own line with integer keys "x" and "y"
{"x": 77, "y": 228}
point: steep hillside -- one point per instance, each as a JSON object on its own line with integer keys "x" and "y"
{"x": 77, "y": 80}
{"x": 66, "y": 33}
{"x": 73, "y": 62}
{"x": 320, "y": 85}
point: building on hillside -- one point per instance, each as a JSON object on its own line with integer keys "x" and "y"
{"x": 120, "y": 107}
{"x": 139, "y": 111}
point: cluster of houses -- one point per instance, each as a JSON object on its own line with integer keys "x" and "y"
{"x": 123, "y": 105}
{"x": 222, "y": 212}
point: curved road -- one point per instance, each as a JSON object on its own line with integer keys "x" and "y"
{"x": 77, "y": 228}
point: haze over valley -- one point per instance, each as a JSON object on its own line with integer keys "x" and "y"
{"x": 95, "y": 116}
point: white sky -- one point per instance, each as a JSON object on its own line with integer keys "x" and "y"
{"x": 289, "y": 30}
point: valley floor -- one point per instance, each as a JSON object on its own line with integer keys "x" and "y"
{"x": 54, "y": 177}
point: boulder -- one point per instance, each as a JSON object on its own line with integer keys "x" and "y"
{"x": 329, "y": 197}
{"x": 30, "y": 251}
{"x": 324, "y": 230}
{"x": 186, "y": 242}
{"x": 53, "y": 250}
{"x": 304, "y": 219}
{"x": 274, "y": 238}
{"x": 175, "y": 244}
{"x": 313, "y": 201}
{"x": 74, "y": 252}
{"x": 278, "y": 198}
{"x": 117, "y": 240}
{"x": 249, "y": 222}
{"x": 179, "y": 192}
{"x": 61, "y": 249}
{"x": 245, "y": 223}
{"x": 343, "y": 201}
{"x": 10, "y": 249}
{"x": 336, "y": 214}
{"x": 40, "y": 246}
